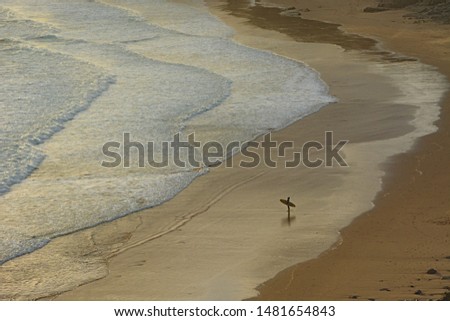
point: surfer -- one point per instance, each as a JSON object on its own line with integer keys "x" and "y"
{"x": 289, "y": 204}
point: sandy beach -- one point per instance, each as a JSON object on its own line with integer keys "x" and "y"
{"x": 386, "y": 253}
{"x": 370, "y": 231}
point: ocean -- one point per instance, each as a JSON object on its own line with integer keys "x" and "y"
{"x": 79, "y": 74}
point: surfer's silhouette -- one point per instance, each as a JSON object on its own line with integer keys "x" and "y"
{"x": 289, "y": 204}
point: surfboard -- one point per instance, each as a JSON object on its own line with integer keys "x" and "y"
{"x": 285, "y": 202}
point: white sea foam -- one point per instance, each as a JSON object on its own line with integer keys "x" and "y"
{"x": 151, "y": 69}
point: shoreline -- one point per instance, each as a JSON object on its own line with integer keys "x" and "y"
{"x": 406, "y": 228}
{"x": 103, "y": 287}
{"x": 134, "y": 229}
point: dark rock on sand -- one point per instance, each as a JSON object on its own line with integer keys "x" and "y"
{"x": 419, "y": 292}
{"x": 446, "y": 297}
{"x": 385, "y": 289}
{"x": 432, "y": 271}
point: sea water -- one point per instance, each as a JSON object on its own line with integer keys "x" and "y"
{"x": 77, "y": 74}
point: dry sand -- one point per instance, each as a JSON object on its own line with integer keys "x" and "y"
{"x": 227, "y": 232}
